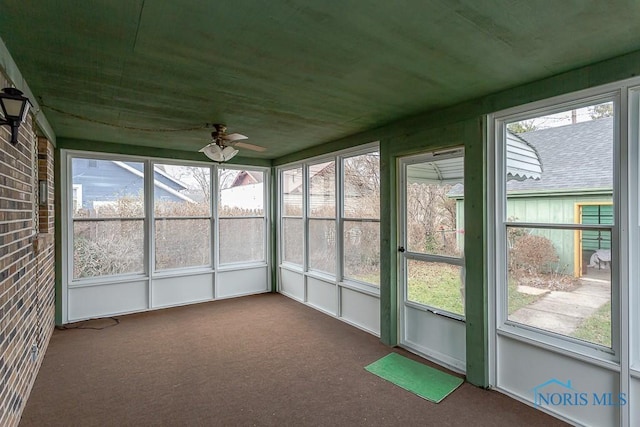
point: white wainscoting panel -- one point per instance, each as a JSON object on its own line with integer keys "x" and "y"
{"x": 292, "y": 284}
{"x": 523, "y": 368}
{"x": 106, "y": 300}
{"x": 360, "y": 309}
{"x": 170, "y": 291}
{"x": 235, "y": 283}
{"x": 322, "y": 295}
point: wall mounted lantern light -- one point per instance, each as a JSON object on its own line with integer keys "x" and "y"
{"x": 14, "y": 108}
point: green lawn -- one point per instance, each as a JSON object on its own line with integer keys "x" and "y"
{"x": 597, "y": 328}
{"x": 435, "y": 285}
{"x": 438, "y": 286}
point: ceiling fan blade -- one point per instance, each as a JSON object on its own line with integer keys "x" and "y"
{"x": 248, "y": 146}
{"x": 234, "y": 137}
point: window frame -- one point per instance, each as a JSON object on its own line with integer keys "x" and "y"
{"x": 338, "y": 277}
{"x": 149, "y": 274}
{"x": 68, "y": 224}
{"x": 281, "y": 216}
{"x": 497, "y": 203}
{"x": 342, "y": 218}
{"x": 309, "y": 219}
{"x": 153, "y": 218}
{"x": 447, "y": 153}
{"x": 265, "y": 217}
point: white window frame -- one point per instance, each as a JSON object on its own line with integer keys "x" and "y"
{"x": 497, "y": 228}
{"x": 447, "y": 153}
{"x": 338, "y": 278}
{"x": 68, "y": 211}
{"x": 308, "y": 218}
{"x": 149, "y": 273}
{"x": 348, "y": 281}
{"x": 281, "y": 216}
{"x": 153, "y": 219}
{"x": 265, "y": 217}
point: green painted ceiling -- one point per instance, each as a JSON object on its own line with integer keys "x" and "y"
{"x": 290, "y": 74}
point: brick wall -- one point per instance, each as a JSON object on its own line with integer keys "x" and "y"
{"x": 26, "y": 265}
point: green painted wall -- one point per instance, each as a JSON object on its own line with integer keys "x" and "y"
{"x": 462, "y": 124}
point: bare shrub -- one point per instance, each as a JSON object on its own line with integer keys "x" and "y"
{"x": 533, "y": 254}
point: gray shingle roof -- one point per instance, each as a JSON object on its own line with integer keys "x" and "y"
{"x": 574, "y": 158}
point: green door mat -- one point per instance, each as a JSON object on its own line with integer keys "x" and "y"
{"x": 423, "y": 380}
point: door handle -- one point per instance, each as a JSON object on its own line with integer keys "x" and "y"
{"x": 401, "y": 249}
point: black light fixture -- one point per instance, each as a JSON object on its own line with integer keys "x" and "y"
{"x": 15, "y": 107}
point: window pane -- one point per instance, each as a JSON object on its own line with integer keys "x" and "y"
{"x": 241, "y": 193}
{"x": 362, "y": 251}
{"x": 102, "y": 248}
{"x": 292, "y": 240}
{"x": 181, "y": 191}
{"x": 322, "y": 245}
{"x": 241, "y": 240}
{"x": 577, "y": 164}
{"x": 109, "y": 188}
{"x": 436, "y": 285}
{"x": 292, "y": 191}
{"x": 560, "y": 281}
{"x": 322, "y": 190}
{"x": 435, "y": 224}
{"x": 362, "y": 186}
{"x": 182, "y": 243}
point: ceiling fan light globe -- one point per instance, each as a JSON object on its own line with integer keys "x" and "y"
{"x": 229, "y": 152}
{"x": 214, "y": 152}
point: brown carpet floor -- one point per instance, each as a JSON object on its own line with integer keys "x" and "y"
{"x": 262, "y": 360}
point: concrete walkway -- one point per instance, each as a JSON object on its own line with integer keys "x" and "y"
{"x": 561, "y": 311}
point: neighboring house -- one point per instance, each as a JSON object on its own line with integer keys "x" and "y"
{"x": 91, "y": 190}
{"x": 357, "y": 189}
{"x": 246, "y": 191}
{"x": 575, "y": 186}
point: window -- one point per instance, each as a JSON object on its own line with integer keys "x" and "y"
{"x": 292, "y": 191}
{"x": 361, "y": 218}
{"x": 558, "y": 226}
{"x": 330, "y": 217}
{"x": 322, "y": 217}
{"x": 242, "y": 217}
{"x": 107, "y": 217}
{"x": 182, "y": 221}
{"x": 434, "y": 230}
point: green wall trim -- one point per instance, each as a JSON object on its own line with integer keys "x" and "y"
{"x": 476, "y": 257}
{"x": 139, "y": 150}
{"x": 57, "y": 188}
{"x": 388, "y": 245}
{"x": 273, "y": 224}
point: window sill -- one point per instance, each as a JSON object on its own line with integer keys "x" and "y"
{"x": 107, "y": 280}
{"x": 363, "y": 288}
{"x": 586, "y": 352}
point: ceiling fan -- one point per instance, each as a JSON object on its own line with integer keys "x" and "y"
{"x": 223, "y": 145}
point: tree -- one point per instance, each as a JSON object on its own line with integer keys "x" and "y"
{"x": 601, "y": 111}
{"x": 523, "y": 126}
